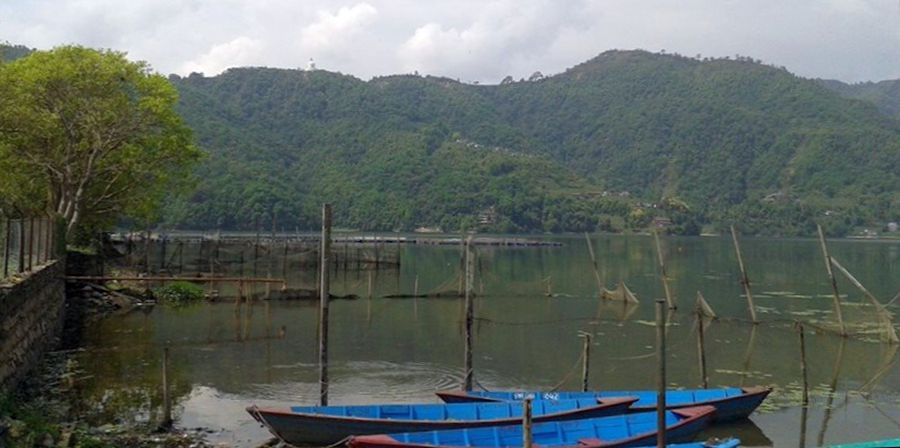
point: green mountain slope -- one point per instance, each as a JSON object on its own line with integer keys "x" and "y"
{"x": 883, "y": 94}
{"x": 735, "y": 141}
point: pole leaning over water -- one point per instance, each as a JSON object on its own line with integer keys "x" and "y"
{"x": 661, "y": 373}
{"x": 323, "y": 304}
{"x": 745, "y": 280}
{"x": 883, "y": 314}
{"x": 469, "y": 256}
{"x": 834, "y": 288}
{"x": 662, "y": 272}
{"x": 594, "y": 267}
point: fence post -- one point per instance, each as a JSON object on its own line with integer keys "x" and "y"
{"x": 31, "y": 243}
{"x": 59, "y": 239}
{"x": 48, "y": 230}
{"x": 20, "y": 268}
{"x": 6, "y": 248}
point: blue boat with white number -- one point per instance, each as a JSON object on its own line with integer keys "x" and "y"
{"x": 731, "y": 403}
{"x": 325, "y": 425}
{"x": 621, "y": 431}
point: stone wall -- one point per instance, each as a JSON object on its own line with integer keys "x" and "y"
{"x": 31, "y": 320}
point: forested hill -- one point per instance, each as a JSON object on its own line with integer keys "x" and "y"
{"x": 884, "y": 94}
{"x": 9, "y": 52}
{"x": 611, "y": 142}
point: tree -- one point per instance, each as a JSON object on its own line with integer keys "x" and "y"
{"x": 95, "y": 134}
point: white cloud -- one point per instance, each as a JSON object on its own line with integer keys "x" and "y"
{"x": 241, "y": 51}
{"x": 335, "y": 30}
{"x": 482, "y": 40}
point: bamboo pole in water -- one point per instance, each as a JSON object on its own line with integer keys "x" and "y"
{"x": 586, "y": 360}
{"x": 661, "y": 374}
{"x": 167, "y": 399}
{"x": 834, "y": 288}
{"x": 323, "y": 304}
{"x": 890, "y": 332}
{"x": 462, "y": 264}
{"x": 469, "y": 258}
{"x": 526, "y": 423}
{"x": 745, "y": 280}
{"x": 596, "y": 269}
{"x": 701, "y": 344}
{"x": 662, "y": 273}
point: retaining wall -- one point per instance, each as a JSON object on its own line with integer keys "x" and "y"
{"x": 31, "y": 321}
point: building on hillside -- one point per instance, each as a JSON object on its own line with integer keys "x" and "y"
{"x": 661, "y": 223}
{"x": 487, "y": 216}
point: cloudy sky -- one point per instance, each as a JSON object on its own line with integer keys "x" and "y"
{"x": 473, "y": 40}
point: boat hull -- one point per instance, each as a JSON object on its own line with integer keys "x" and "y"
{"x": 692, "y": 420}
{"x": 308, "y": 429}
{"x": 728, "y": 408}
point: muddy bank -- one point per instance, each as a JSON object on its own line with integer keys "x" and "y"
{"x": 47, "y": 409}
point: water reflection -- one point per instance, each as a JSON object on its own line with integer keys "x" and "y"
{"x": 227, "y": 355}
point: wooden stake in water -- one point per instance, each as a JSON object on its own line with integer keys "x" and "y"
{"x": 745, "y": 280}
{"x": 167, "y": 399}
{"x": 469, "y": 258}
{"x": 661, "y": 373}
{"x": 586, "y": 360}
{"x": 662, "y": 273}
{"x": 526, "y": 423}
{"x": 836, "y": 297}
{"x": 803, "y": 365}
{"x": 323, "y": 304}
{"x": 701, "y": 345}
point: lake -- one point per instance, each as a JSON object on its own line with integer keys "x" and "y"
{"x": 225, "y": 358}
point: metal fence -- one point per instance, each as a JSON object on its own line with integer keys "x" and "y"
{"x": 27, "y": 243}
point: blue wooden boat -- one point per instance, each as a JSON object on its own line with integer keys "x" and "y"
{"x": 325, "y": 425}
{"x": 731, "y": 403}
{"x": 627, "y": 430}
{"x": 894, "y": 443}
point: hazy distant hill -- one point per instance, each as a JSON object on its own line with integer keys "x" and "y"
{"x": 884, "y": 94}
{"x": 9, "y": 52}
{"x": 733, "y": 140}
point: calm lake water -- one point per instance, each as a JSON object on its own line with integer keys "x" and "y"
{"x": 402, "y": 350}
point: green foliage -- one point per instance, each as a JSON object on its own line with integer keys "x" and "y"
{"x": 90, "y": 135}
{"x": 721, "y": 136}
{"x": 179, "y": 293}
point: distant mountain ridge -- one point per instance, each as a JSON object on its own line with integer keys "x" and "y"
{"x": 609, "y": 144}
{"x": 733, "y": 140}
{"x": 884, "y": 94}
